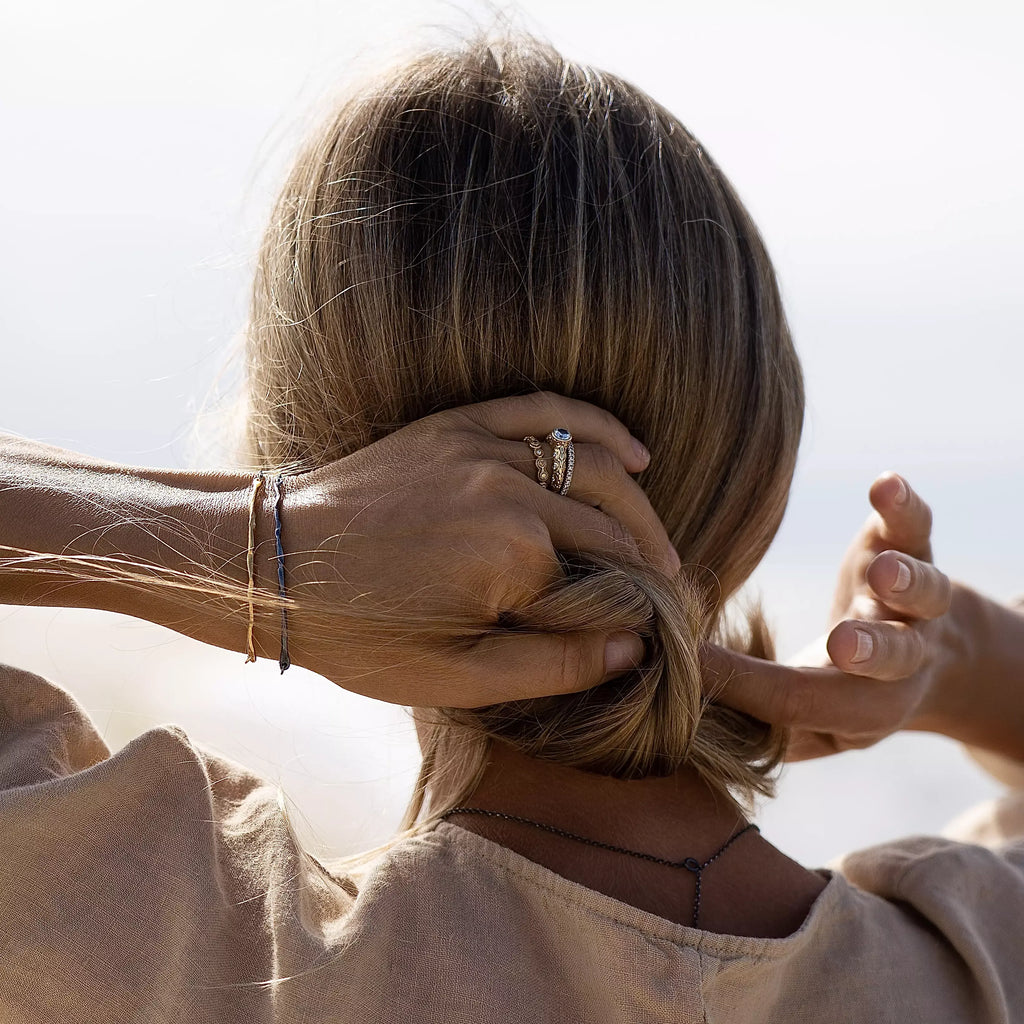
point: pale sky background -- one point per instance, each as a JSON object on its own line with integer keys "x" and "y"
{"x": 878, "y": 146}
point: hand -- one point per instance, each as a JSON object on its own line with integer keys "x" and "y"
{"x": 889, "y": 648}
{"x": 888, "y": 591}
{"x": 445, "y": 519}
{"x": 401, "y": 557}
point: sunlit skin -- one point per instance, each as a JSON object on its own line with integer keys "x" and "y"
{"x": 754, "y": 888}
{"x": 481, "y": 534}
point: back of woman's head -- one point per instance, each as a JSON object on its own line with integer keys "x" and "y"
{"x": 495, "y": 220}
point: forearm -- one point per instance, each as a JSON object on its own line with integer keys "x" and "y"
{"x": 979, "y": 698}
{"x": 125, "y": 539}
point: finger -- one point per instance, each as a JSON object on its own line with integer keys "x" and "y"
{"x": 539, "y": 413}
{"x": 600, "y": 481}
{"x": 877, "y": 650}
{"x": 577, "y": 528}
{"x": 907, "y": 585}
{"x": 904, "y": 519}
{"x": 810, "y": 746}
{"x": 511, "y": 666}
{"x": 816, "y": 699}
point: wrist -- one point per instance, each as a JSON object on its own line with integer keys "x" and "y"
{"x": 950, "y": 662}
{"x": 164, "y": 545}
{"x": 976, "y": 696}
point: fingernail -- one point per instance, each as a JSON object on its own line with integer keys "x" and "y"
{"x": 901, "y": 494}
{"x": 902, "y": 580}
{"x": 622, "y": 652}
{"x": 865, "y": 645}
{"x": 641, "y": 452}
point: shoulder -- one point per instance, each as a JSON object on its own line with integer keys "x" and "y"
{"x": 47, "y": 736}
{"x": 921, "y": 864}
{"x": 969, "y": 895}
{"x": 160, "y": 852}
{"x": 44, "y": 732}
{"x": 60, "y": 783}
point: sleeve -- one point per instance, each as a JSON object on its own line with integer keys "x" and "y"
{"x": 999, "y": 821}
{"x": 162, "y": 883}
{"x": 968, "y": 885}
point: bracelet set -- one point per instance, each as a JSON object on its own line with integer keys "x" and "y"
{"x": 257, "y": 483}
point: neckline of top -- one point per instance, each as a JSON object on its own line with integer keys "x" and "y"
{"x": 728, "y": 946}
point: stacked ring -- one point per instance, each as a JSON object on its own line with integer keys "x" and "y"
{"x": 563, "y": 461}
{"x": 570, "y": 463}
{"x": 538, "y": 458}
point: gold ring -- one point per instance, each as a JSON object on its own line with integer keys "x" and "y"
{"x": 538, "y": 457}
{"x": 560, "y": 440}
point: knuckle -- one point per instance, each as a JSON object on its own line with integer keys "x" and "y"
{"x": 573, "y": 665}
{"x": 930, "y": 591}
{"x": 797, "y": 704}
{"x": 448, "y": 426}
{"x": 483, "y": 479}
{"x": 612, "y": 424}
{"x": 880, "y": 662}
{"x": 900, "y": 649}
{"x": 622, "y": 537}
{"x": 545, "y": 401}
{"x": 432, "y": 442}
{"x": 944, "y": 592}
{"x": 915, "y": 651}
{"x": 512, "y": 584}
{"x": 604, "y": 461}
{"x": 523, "y": 543}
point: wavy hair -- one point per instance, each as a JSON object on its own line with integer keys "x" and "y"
{"x": 491, "y": 220}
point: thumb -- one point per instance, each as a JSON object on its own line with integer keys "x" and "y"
{"x": 515, "y": 666}
{"x": 824, "y": 699}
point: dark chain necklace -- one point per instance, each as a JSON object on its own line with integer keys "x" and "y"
{"x": 690, "y": 863}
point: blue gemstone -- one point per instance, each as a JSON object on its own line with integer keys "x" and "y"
{"x": 559, "y": 434}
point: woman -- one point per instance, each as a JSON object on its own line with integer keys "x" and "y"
{"x": 471, "y": 226}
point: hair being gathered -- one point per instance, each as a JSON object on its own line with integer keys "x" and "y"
{"x": 493, "y": 220}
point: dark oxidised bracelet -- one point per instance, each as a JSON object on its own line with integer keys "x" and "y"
{"x": 284, "y": 660}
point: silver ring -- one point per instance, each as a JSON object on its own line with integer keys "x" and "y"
{"x": 570, "y": 462}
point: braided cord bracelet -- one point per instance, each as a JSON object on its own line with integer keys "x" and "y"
{"x": 284, "y": 659}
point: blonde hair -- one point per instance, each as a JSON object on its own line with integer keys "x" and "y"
{"x": 493, "y": 220}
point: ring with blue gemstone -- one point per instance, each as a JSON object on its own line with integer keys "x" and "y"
{"x": 563, "y": 459}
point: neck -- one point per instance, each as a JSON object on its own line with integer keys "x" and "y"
{"x": 674, "y": 817}
{"x": 751, "y": 889}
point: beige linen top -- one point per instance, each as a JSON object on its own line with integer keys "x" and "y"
{"x": 163, "y": 883}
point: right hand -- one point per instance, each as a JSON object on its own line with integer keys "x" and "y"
{"x": 887, "y": 661}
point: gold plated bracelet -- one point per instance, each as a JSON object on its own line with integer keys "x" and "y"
{"x": 250, "y": 559}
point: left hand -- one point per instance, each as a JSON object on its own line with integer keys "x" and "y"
{"x": 440, "y": 527}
